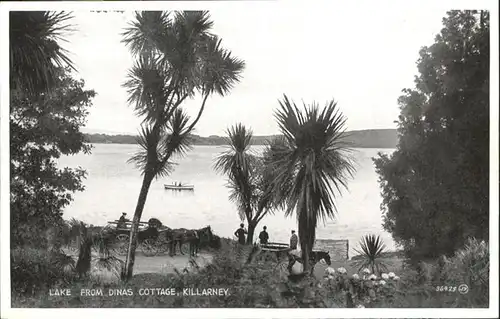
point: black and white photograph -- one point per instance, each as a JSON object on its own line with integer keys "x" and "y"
{"x": 295, "y": 159}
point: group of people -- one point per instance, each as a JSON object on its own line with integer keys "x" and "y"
{"x": 240, "y": 233}
{"x": 263, "y": 237}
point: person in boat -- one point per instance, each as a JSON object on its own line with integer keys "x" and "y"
{"x": 122, "y": 222}
{"x": 240, "y": 233}
{"x": 264, "y": 236}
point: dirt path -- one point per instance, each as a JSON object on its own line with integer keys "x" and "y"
{"x": 165, "y": 263}
{"x": 158, "y": 264}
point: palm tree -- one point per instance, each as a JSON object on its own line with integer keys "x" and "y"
{"x": 35, "y": 51}
{"x": 371, "y": 250}
{"x": 177, "y": 57}
{"x": 248, "y": 181}
{"x": 311, "y": 162}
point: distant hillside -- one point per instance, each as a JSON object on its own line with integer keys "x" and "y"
{"x": 386, "y": 138}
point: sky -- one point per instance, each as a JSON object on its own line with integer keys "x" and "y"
{"x": 360, "y": 57}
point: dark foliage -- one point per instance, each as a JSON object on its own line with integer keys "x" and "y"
{"x": 34, "y": 270}
{"x": 35, "y": 50}
{"x": 435, "y": 186}
{"x": 42, "y": 129}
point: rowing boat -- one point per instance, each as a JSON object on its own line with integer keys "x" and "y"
{"x": 181, "y": 188}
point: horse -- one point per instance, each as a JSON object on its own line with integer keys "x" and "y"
{"x": 202, "y": 237}
{"x": 314, "y": 257}
{"x": 194, "y": 237}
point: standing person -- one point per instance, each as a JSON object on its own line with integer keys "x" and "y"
{"x": 294, "y": 256}
{"x": 264, "y": 236}
{"x": 294, "y": 240}
{"x": 240, "y": 233}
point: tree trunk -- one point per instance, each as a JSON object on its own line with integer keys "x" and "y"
{"x": 251, "y": 230}
{"x": 305, "y": 258}
{"x": 306, "y": 239}
{"x": 129, "y": 265}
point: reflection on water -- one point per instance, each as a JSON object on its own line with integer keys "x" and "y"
{"x": 113, "y": 185}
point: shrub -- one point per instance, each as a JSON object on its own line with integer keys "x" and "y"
{"x": 33, "y": 270}
{"x": 259, "y": 283}
{"x": 470, "y": 266}
{"x": 371, "y": 250}
{"x": 361, "y": 290}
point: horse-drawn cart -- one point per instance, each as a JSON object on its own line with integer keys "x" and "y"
{"x": 154, "y": 238}
{"x": 148, "y": 236}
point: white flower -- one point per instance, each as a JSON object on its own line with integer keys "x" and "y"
{"x": 392, "y": 275}
{"x": 384, "y": 276}
{"x": 366, "y": 271}
{"x": 375, "y": 283}
{"x": 329, "y": 271}
{"x": 355, "y": 276}
{"x": 382, "y": 282}
{"x": 341, "y": 270}
{"x": 396, "y": 278}
{"x": 360, "y": 306}
{"x": 372, "y": 277}
{"x": 331, "y": 277}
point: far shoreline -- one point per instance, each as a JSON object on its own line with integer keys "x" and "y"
{"x": 354, "y": 146}
{"x": 374, "y": 138}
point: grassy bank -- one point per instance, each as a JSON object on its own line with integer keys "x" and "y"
{"x": 264, "y": 283}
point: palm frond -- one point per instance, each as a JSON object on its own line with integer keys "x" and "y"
{"x": 146, "y": 159}
{"x": 61, "y": 260}
{"x": 142, "y": 35}
{"x": 371, "y": 248}
{"x": 237, "y": 155}
{"x": 110, "y": 263}
{"x": 35, "y": 50}
{"x": 278, "y": 162}
{"x": 158, "y": 147}
{"x": 175, "y": 142}
{"x": 220, "y": 70}
{"x": 182, "y": 47}
{"x": 103, "y": 244}
{"x": 148, "y": 88}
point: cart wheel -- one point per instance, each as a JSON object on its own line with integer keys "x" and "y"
{"x": 149, "y": 247}
{"x": 184, "y": 248}
{"x": 164, "y": 248}
{"x": 122, "y": 244}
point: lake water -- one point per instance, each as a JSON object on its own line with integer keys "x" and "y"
{"x": 112, "y": 187}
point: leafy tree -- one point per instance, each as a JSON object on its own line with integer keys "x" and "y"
{"x": 311, "y": 162}
{"x": 41, "y": 129}
{"x": 35, "y": 51}
{"x": 47, "y": 108}
{"x": 177, "y": 57}
{"x": 435, "y": 185}
{"x": 249, "y": 182}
